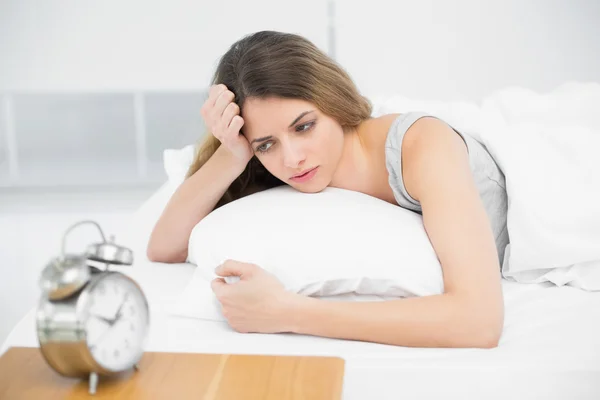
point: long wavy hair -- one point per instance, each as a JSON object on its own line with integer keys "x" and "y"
{"x": 269, "y": 64}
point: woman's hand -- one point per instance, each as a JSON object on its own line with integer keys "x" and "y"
{"x": 258, "y": 302}
{"x": 221, "y": 116}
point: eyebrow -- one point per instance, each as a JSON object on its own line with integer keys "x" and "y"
{"x": 262, "y": 139}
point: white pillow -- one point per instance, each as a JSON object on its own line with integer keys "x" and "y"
{"x": 178, "y": 161}
{"x": 321, "y": 244}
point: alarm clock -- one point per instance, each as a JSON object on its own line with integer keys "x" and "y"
{"x": 91, "y": 321}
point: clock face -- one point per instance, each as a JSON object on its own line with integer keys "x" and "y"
{"x": 117, "y": 322}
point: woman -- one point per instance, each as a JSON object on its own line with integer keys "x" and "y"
{"x": 282, "y": 112}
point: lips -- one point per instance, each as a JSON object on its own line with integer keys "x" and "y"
{"x": 306, "y": 176}
{"x": 303, "y": 173}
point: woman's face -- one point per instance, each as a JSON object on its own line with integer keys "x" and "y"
{"x": 291, "y": 136}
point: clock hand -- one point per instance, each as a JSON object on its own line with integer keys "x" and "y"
{"x": 118, "y": 313}
{"x": 112, "y": 321}
{"x": 103, "y": 319}
{"x": 106, "y": 332}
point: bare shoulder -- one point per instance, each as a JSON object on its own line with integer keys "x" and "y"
{"x": 374, "y": 131}
{"x": 426, "y": 132}
{"x": 430, "y": 144}
{"x": 419, "y": 137}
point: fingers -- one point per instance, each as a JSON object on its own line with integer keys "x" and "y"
{"x": 235, "y": 268}
{"x": 219, "y": 96}
{"x": 217, "y": 284}
{"x": 223, "y": 101}
{"x": 214, "y": 92}
{"x": 209, "y": 104}
{"x": 222, "y": 118}
{"x": 221, "y": 112}
{"x": 236, "y": 124}
{"x": 231, "y": 111}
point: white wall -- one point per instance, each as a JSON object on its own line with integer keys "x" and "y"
{"x": 74, "y": 45}
{"x": 428, "y": 48}
{"x": 464, "y": 49}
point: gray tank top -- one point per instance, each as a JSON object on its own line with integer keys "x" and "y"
{"x": 489, "y": 179}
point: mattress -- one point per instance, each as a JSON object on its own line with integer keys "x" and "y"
{"x": 550, "y": 346}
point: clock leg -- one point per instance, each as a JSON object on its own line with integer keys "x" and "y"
{"x": 93, "y": 382}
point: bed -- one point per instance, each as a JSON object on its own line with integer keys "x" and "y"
{"x": 550, "y": 347}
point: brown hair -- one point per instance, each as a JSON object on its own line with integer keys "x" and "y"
{"x": 285, "y": 65}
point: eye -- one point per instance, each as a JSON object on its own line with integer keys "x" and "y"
{"x": 308, "y": 124}
{"x": 262, "y": 149}
{"x": 299, "y": 128}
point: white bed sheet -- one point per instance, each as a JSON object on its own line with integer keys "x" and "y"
{"x": 550, "y": 347}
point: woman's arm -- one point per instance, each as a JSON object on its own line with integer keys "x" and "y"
{"x": 195, "y": 198}
{"x": 430, "y": 321}
{"x": 470, "y": 312}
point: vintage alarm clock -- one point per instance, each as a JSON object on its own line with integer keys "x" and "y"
{"x": 91, "y": 321}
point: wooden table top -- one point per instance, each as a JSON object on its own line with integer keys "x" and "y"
{"x": 24, "y": 374}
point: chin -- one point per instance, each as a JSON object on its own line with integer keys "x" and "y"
{"x": 315, "y": 187}
{"x": 310, "y": 190}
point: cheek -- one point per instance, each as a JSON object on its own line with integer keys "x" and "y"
{"x": 272, "y": 164}
{"x": 320, "y": 144}
{"x": 331, "y": 145}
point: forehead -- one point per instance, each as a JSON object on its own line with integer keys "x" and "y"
{"x": 272, "y": 115}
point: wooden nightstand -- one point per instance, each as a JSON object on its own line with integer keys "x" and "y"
{"x": 24, "y": 374}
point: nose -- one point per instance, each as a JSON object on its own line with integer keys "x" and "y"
{"x": 293, "y": 156}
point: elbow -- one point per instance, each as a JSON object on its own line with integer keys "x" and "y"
{"x": 164, "y": 257}
{"x": 155, "y": 253}
{"x": 493, "y": 326}
{"x": 490, "y": 340}
{"x": 477, "y": 336}
{"x": 485, "y": 325}
{"x": 152, "y": 254}
{"x": 488, "y": 331}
